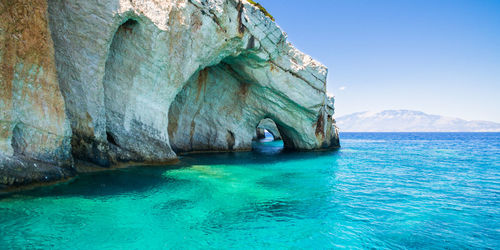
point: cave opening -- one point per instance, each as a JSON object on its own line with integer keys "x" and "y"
{"x": 120, "y": 69}
{"x": 267, "y": 130}
{"x": 264, "y": 135}
{"x": 223, "y": 107}
{"x": 267, "y": 137}
{"x": 207, "y": 114}
{"x": 110, "y": 138}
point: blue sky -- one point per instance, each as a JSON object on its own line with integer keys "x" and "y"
{"x": 437, "y": 56}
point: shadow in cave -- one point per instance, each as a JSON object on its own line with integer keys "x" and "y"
{"x": 267, "y": 139}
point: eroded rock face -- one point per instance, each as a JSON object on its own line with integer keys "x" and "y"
{"x": 34, "y": 131}
{"x": 269, "y": 125}
{"x": 142, "y": 80}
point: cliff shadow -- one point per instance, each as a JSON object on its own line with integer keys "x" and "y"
{"x": 144, "y": 178}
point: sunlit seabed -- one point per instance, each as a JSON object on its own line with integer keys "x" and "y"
{"x": 381, "y": 190}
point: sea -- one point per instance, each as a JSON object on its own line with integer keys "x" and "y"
{"x": 378, "y": 191}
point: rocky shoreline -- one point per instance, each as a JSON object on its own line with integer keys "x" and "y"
{"x": 142, "y": 81}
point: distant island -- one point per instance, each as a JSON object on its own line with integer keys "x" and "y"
{"x": 410, "y": 121}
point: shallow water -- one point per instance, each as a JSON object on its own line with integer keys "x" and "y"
{"x": 381, "y": 190}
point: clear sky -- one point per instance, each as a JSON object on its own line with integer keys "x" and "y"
{"x": 437, "y": 56}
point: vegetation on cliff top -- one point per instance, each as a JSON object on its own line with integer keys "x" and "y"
{"x": 261, "y": 9}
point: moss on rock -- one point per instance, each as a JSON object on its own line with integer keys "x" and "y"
{"x": 261, "y": 9}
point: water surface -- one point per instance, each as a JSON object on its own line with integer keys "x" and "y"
{"x": 381, "y": 190}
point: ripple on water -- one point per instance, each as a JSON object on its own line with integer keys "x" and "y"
{"x": 381, "y": 190}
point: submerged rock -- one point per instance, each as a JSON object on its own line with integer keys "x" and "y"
{"x": 144, "y": 80}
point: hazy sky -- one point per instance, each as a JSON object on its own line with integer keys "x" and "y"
{"x": 437, "y": 56}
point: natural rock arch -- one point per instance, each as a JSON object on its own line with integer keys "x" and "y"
{"x": 178, "y": 48}
{"x": 204, "y": 114}
{"x": 269, "y": 125}
{"x": 219, "y": 107}
{"x": 118, "y": 67}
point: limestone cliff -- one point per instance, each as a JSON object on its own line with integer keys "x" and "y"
{"x": 34, "y": 130}
{"x": 143, "y": 80}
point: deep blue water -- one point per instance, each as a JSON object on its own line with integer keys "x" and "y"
{"x": 380, "y": 190}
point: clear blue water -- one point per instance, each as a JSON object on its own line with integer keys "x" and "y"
{"x": 381, "y": 190}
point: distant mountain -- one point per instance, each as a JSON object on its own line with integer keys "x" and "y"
{"x": 410, "y": 121}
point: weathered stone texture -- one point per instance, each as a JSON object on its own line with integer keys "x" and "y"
{"x": 33, "y": 124}
{"x": 144, "y": 79}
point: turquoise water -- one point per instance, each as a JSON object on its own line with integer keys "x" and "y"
{"x": 381, "y": 190}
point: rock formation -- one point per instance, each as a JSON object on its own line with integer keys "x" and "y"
{"x": 138, "y": 80}
{"x": 270, "y": 126}
{"x": 34, "y": 130}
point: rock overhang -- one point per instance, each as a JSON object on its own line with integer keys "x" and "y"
{"x": 130, "y": 91}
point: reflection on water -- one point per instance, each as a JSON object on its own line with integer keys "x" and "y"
{"x": 378, "y": 191}
{"x": 267, "y": 146}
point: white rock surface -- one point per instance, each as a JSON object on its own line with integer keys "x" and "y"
{"x": 218, "y": 66}
{"x": 141, "y": 80}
